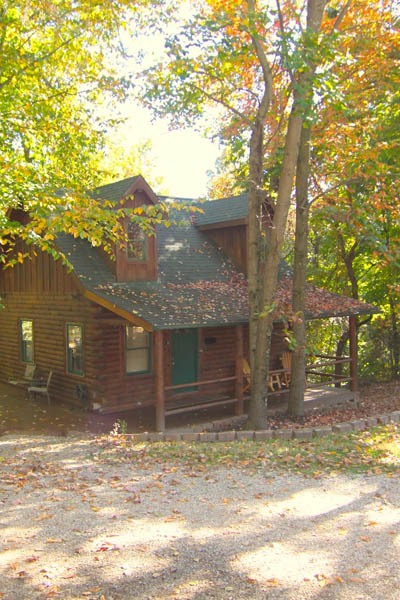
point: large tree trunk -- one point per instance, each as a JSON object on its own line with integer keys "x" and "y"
{"x": 297, "y": 385}
{"x": 263, "y": 319}
{"x": 394, "y": 339}
{"x": 261, "y": 298}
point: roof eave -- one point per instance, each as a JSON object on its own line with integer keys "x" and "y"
{"x": 141, "y": 185}
{"x": 223, "y": 224}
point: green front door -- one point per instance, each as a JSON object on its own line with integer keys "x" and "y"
{"x": 184, "y": 355}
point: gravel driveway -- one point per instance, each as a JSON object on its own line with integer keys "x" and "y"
{"x": 74, "y": 526}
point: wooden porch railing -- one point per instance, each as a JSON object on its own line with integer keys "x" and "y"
{"x": 197, "y": 383}
{"x": 196, "y": 406}
{"x": 332, "y": 377}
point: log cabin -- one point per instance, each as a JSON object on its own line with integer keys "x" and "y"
{"x": 165, "y": 324}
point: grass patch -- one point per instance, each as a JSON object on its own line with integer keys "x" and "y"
{"x": 374, "y": 451}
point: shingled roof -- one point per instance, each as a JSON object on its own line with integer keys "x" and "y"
{"x": 197, "y": 286}
{"x": 235, "y": 208}
{"x": 116, "y": 190}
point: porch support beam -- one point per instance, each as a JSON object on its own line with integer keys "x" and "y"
{"x": 239, "y": 407}
{"x": 159, "y": 372}
{"x": 353, "y": 353}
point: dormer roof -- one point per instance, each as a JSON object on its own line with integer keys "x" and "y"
{"x": 117, "y": 190}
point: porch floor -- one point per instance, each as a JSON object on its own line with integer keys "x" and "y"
{"x": 18, "y": 414}
{"x": 198, "y": 417}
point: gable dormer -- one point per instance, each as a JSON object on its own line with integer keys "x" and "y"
{"x": 137, "y": 259}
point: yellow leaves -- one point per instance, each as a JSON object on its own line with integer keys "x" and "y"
{"x": 324, "y": 580}
{"x": 43, "y": 516}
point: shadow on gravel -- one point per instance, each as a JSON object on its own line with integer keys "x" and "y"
{"x": 76, "y": 527}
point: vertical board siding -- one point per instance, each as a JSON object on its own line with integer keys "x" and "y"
{"x": 38, "y": 274}
{"x": 233, "y": 242}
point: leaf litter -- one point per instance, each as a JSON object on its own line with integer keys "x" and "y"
{"x": 102, "y": 517}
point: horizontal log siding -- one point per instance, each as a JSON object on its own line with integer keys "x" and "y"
{"x": 103, "y": 349}
{"x": 49, "y": 314}
{"x": 118, "y": 388}
{"x": 217, "y": 360}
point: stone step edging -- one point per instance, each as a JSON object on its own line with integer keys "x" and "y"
{"x": 305, "y": 433}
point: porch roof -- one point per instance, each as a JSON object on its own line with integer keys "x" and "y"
{"x": 197, "y": 285}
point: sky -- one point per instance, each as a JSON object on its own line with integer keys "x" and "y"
{"x": 182, "y": 157}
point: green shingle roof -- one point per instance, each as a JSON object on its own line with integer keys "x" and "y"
{"x": 225, "y": 209}
{"x": 197, "y": 284}
{"x": 114, "y": 191}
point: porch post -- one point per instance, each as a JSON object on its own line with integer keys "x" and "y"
{"x": 239, "y": 409}
{"x": 159, "y": 372}
{"x": 353, "y": 353}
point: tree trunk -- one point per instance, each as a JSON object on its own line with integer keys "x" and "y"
{"x": 394, "y": 340}
{"x": 297, "y": 385}
{"x": 261, "y": 299}
{"x": 263, "y": 320}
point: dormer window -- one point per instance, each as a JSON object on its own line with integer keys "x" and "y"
{"x": 136, "y": 242}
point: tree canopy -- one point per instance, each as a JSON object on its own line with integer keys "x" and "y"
{"x": 57, "y": 65}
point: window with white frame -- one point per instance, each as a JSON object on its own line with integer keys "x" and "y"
{"x": 26, "y": 335}
{"x": 74, "y": 348}
{"x": 137, "y": 350}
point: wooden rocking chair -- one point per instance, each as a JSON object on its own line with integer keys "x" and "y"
{"x": 286, "y": 360}
{"x": 246, "y": 375}
{"x": 273, "y": 379}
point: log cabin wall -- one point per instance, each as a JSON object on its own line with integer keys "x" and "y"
{"x": 41, "y": 290}
{"x": 217, "y": 359}
{"x": 50, "y": 314}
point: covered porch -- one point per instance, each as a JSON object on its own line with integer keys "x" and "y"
{"x": 330, "y": 380}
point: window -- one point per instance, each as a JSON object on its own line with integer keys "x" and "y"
{"x": 136, "y": 248}
{"x": 26, "y": 332}
{"x": 74, "y": 349}
{"x": 138, "y": 350}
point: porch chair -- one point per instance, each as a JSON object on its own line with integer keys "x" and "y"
{"x": 246, "y": 374}
{"x": 41, "y": 389}
{"x": 286, "y": 360}
{"x": 27, "y": 378}
{"x": 273, "y": 379}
